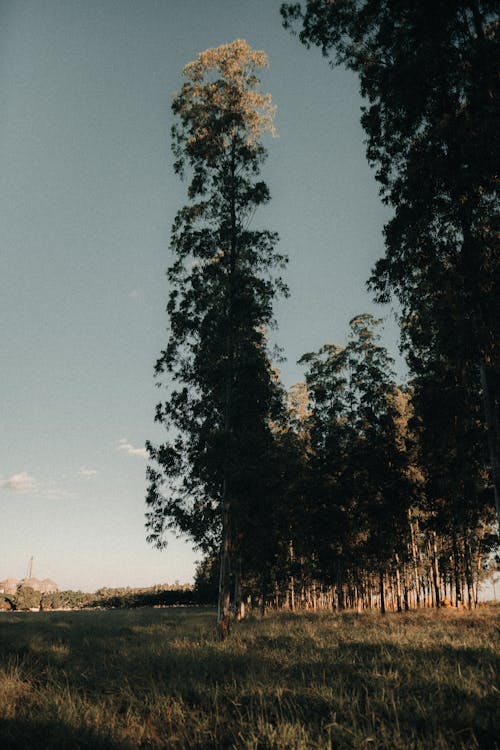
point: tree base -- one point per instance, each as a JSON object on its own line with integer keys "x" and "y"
{"x": 223, "y": 627}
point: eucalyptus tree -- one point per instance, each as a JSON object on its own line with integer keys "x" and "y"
{"x": 330, "y": 504}
{"x": 429, "y": 74}
{"x": 363, "y": 479}
{"x": 380, "y": 462}
{"x": 360, "y": 478}
{"x": 452, "y": 456}
{"x": 214, "y": 464}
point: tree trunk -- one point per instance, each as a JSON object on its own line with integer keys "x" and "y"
{"x": 263, "y": 596}
{"x": 224, "y": 603}
{"x": 468, "y": 573}
{"x": 398, "y": 587}
{"x": 340, "y": 589}
{"x": 238, "y": 603}
{"x": 314, "y": 596}
{"x": 493, "y": 433}
{"x": 406, "y": 594}
{"x": 478, "y": 569}
{"x": 415, "y": 564}
{"x": 292, "y": 581}
{"x": 382, "y": 591}
{"x": 435, "y": 571}
{"x": 456, "y": 571}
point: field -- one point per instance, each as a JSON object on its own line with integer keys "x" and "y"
{"x": 158, "y": 678}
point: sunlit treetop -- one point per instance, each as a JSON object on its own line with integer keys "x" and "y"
{"x": 221, "y": 105}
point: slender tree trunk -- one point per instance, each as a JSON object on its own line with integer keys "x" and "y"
{"x": 406, "y": 594}
{"x": 493, "y": 433}
{"x": 292, "y": 581}
{"x": 382, "y": 591}
{"x": 435, "y": 571}
{"x": 314, "y": 596}
{"x": 456, "y": 571}
{"x": 398, "y": 587}
{"x": 359, "y": 599}
{"x": 224, "y": 603}
{"x": 238, "y": 604}
{"x": 392, "y": 591}
{"x": 478, "y": 569}
{"x": 263, "y": 595}
{"x": 340, "y": 589}
{"x": 468, "y": 572}
{"x": 415, "y": 564}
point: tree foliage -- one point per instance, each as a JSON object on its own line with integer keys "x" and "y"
{"x": 429, "y": 75}
{"x": 352, "y": 491}
{"x": 215, "y": 465}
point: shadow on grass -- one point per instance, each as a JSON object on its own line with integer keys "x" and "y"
{"x": 30, "y": 734}
{"x": 424, "y": 692}
{"x": 398, "y": 691}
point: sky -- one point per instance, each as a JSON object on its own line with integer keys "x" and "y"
{"x": 88, "y": 195}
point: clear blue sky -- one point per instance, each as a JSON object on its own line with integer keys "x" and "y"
{"x": 88, "y": 195}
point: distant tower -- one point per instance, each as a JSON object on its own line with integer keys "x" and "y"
{"x": 30, "y": 567}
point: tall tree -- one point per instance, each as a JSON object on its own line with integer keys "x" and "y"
{"x": 429, "y": 73}
{"x": 361, "y": 481}
{"x": 222, "y": 286}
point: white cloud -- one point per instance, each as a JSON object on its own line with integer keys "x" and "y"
{"x": 21, "y": 482}
{"x": 85, "y": 471}
{"x": 131, "y": 450}
{"x": 55, "y": 493}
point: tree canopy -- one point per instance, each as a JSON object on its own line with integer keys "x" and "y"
{"x": 222, "y": 286}
{"x": 428, "y": 72}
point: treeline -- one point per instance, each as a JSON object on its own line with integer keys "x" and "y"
{"x": 357, "y": 513}
{"x": 164, "y": 595}
{"x": 351, "y": 491}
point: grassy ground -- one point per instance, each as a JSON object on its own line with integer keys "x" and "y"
{"x": 159, "y": 679}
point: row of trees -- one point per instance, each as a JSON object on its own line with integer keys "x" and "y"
{"x": 351, "y": 520}
{"x": 429, "y": 75}
{"x": 349, "y": 489}
{"x": 161, "y": 595}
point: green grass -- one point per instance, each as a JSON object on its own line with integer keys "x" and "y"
{"x": 158, "y": 678}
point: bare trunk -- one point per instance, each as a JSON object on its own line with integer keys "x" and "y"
{"x": 398, "y": 587}
{"x": 238, "y": 604}
{"x": 468, "y": 573}
{"x": 382, "y": 591}
{"x": 224, "y": 603}
{"x": 493, "y": 433}
{"x": 415, "y": 564}
{"x": 435, "y": 571}
{"x": 263, "y": 597}
{"x": 477, "y": 570}
{"x": 456, "y": 572}
{"x": 314, "y": 597}
{"x": 340, "y": 589}
{"x": 406, "y": 593}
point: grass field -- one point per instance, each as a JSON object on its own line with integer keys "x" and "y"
{"x": 157, "y": 678}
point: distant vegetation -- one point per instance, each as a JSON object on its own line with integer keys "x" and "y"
{"x": 106, "y": 598}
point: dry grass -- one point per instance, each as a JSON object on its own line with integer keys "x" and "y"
{"x": 159, "y": 679}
